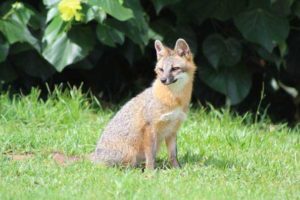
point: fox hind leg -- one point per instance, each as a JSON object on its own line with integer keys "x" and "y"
{"x": 112, "y": 157}
{"x": 107, "y": 157}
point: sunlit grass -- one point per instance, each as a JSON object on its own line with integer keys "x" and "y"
{"x": 223, "y": 156}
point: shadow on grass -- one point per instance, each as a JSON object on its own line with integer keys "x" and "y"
{"x": 201, "y": 160}
{"x": 188, "y": 159}
{"x": 207, "y": 161}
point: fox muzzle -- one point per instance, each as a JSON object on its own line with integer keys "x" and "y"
{"x": 168, "y": 81}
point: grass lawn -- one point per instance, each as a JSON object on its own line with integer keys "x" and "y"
{"x": 223, "y": 156}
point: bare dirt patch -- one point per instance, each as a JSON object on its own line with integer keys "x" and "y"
{"x": 18, "y": 157}
{"x": 58, "y": 157}
{"x": 64, "y": 160}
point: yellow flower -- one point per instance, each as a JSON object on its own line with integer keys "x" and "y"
{"x": 69, "y": 9}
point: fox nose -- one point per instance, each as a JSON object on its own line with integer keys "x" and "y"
{"x": 163, "y": 80}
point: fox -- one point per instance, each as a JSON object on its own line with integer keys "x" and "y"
{"x": 134, "y": 135}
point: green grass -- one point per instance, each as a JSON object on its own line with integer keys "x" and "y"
{"x": 223, "y": 156}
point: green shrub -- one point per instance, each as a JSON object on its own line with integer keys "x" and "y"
{"x": 232, "y": 39}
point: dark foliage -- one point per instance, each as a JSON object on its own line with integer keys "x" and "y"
{"x": 247, "y": 52}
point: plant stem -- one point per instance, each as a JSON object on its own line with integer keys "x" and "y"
{"x": 10, "y": 12}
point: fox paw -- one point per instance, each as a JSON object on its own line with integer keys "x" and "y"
{"x": 166, "y": 117}
{"x": 174, "y": 115}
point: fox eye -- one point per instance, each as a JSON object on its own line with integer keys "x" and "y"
{"x": 161, "y": 69}
{"x": 175, "y": 68}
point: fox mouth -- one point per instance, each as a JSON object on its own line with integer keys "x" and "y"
{"x": 169, "y": 83}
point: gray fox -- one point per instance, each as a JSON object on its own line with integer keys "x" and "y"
{"x": 134, "y": 134}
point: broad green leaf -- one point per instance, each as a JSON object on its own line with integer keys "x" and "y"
{"x": 137, "y": 28}
{"x": 137, "y": 35}
{"x": 109, "y": 36}
{"x": 254, "y": 4}
{"x": 28, "y": 17}
{"x": 54, "y": 28}
{"x": 222, "y": 52}
{"x": 296, "y": 8}
{"x": 234, "y": 82}
{"x": 4, "y": 47}
{"x": 62, "y": 52}
{"x": 200, "y": 10}
{"x": 226, "y": 9}
{"x": 36, "y": 66}
{"x": 94, "y": 12}
{"x": 160, "y": 4}
{"x": 52, "y": 12}
{"x": 22, "y": 15}
{"x": 69, "y": 48}
{"x": 282, "y": 7}
{"x": 16, "y": 32}
{"x": 49, "y": 3}
{"x": 84, "y": 37}
{"x": 14, "y": 25}
{"x": 7, "y": 72}
{"x": 114, "y": 8}
{"x": 277, "y": 7}
{"x": 171, "y": 34}
{"x": 262, "y": 27}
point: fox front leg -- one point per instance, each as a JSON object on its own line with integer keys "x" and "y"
{"x": 150, "y": 148}
{"x": 172, "y": 150}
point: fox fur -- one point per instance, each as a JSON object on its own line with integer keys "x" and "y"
{"x": 135, "y": 133}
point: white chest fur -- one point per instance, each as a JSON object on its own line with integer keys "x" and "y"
{"x": 182, "y": 80}
{"x": 170, "y": 119}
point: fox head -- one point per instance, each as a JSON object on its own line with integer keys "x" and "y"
{"x": 175, "y": 67}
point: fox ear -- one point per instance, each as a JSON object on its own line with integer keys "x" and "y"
{"x": 182, "y": 48}
{"x": 159, "y": 47}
